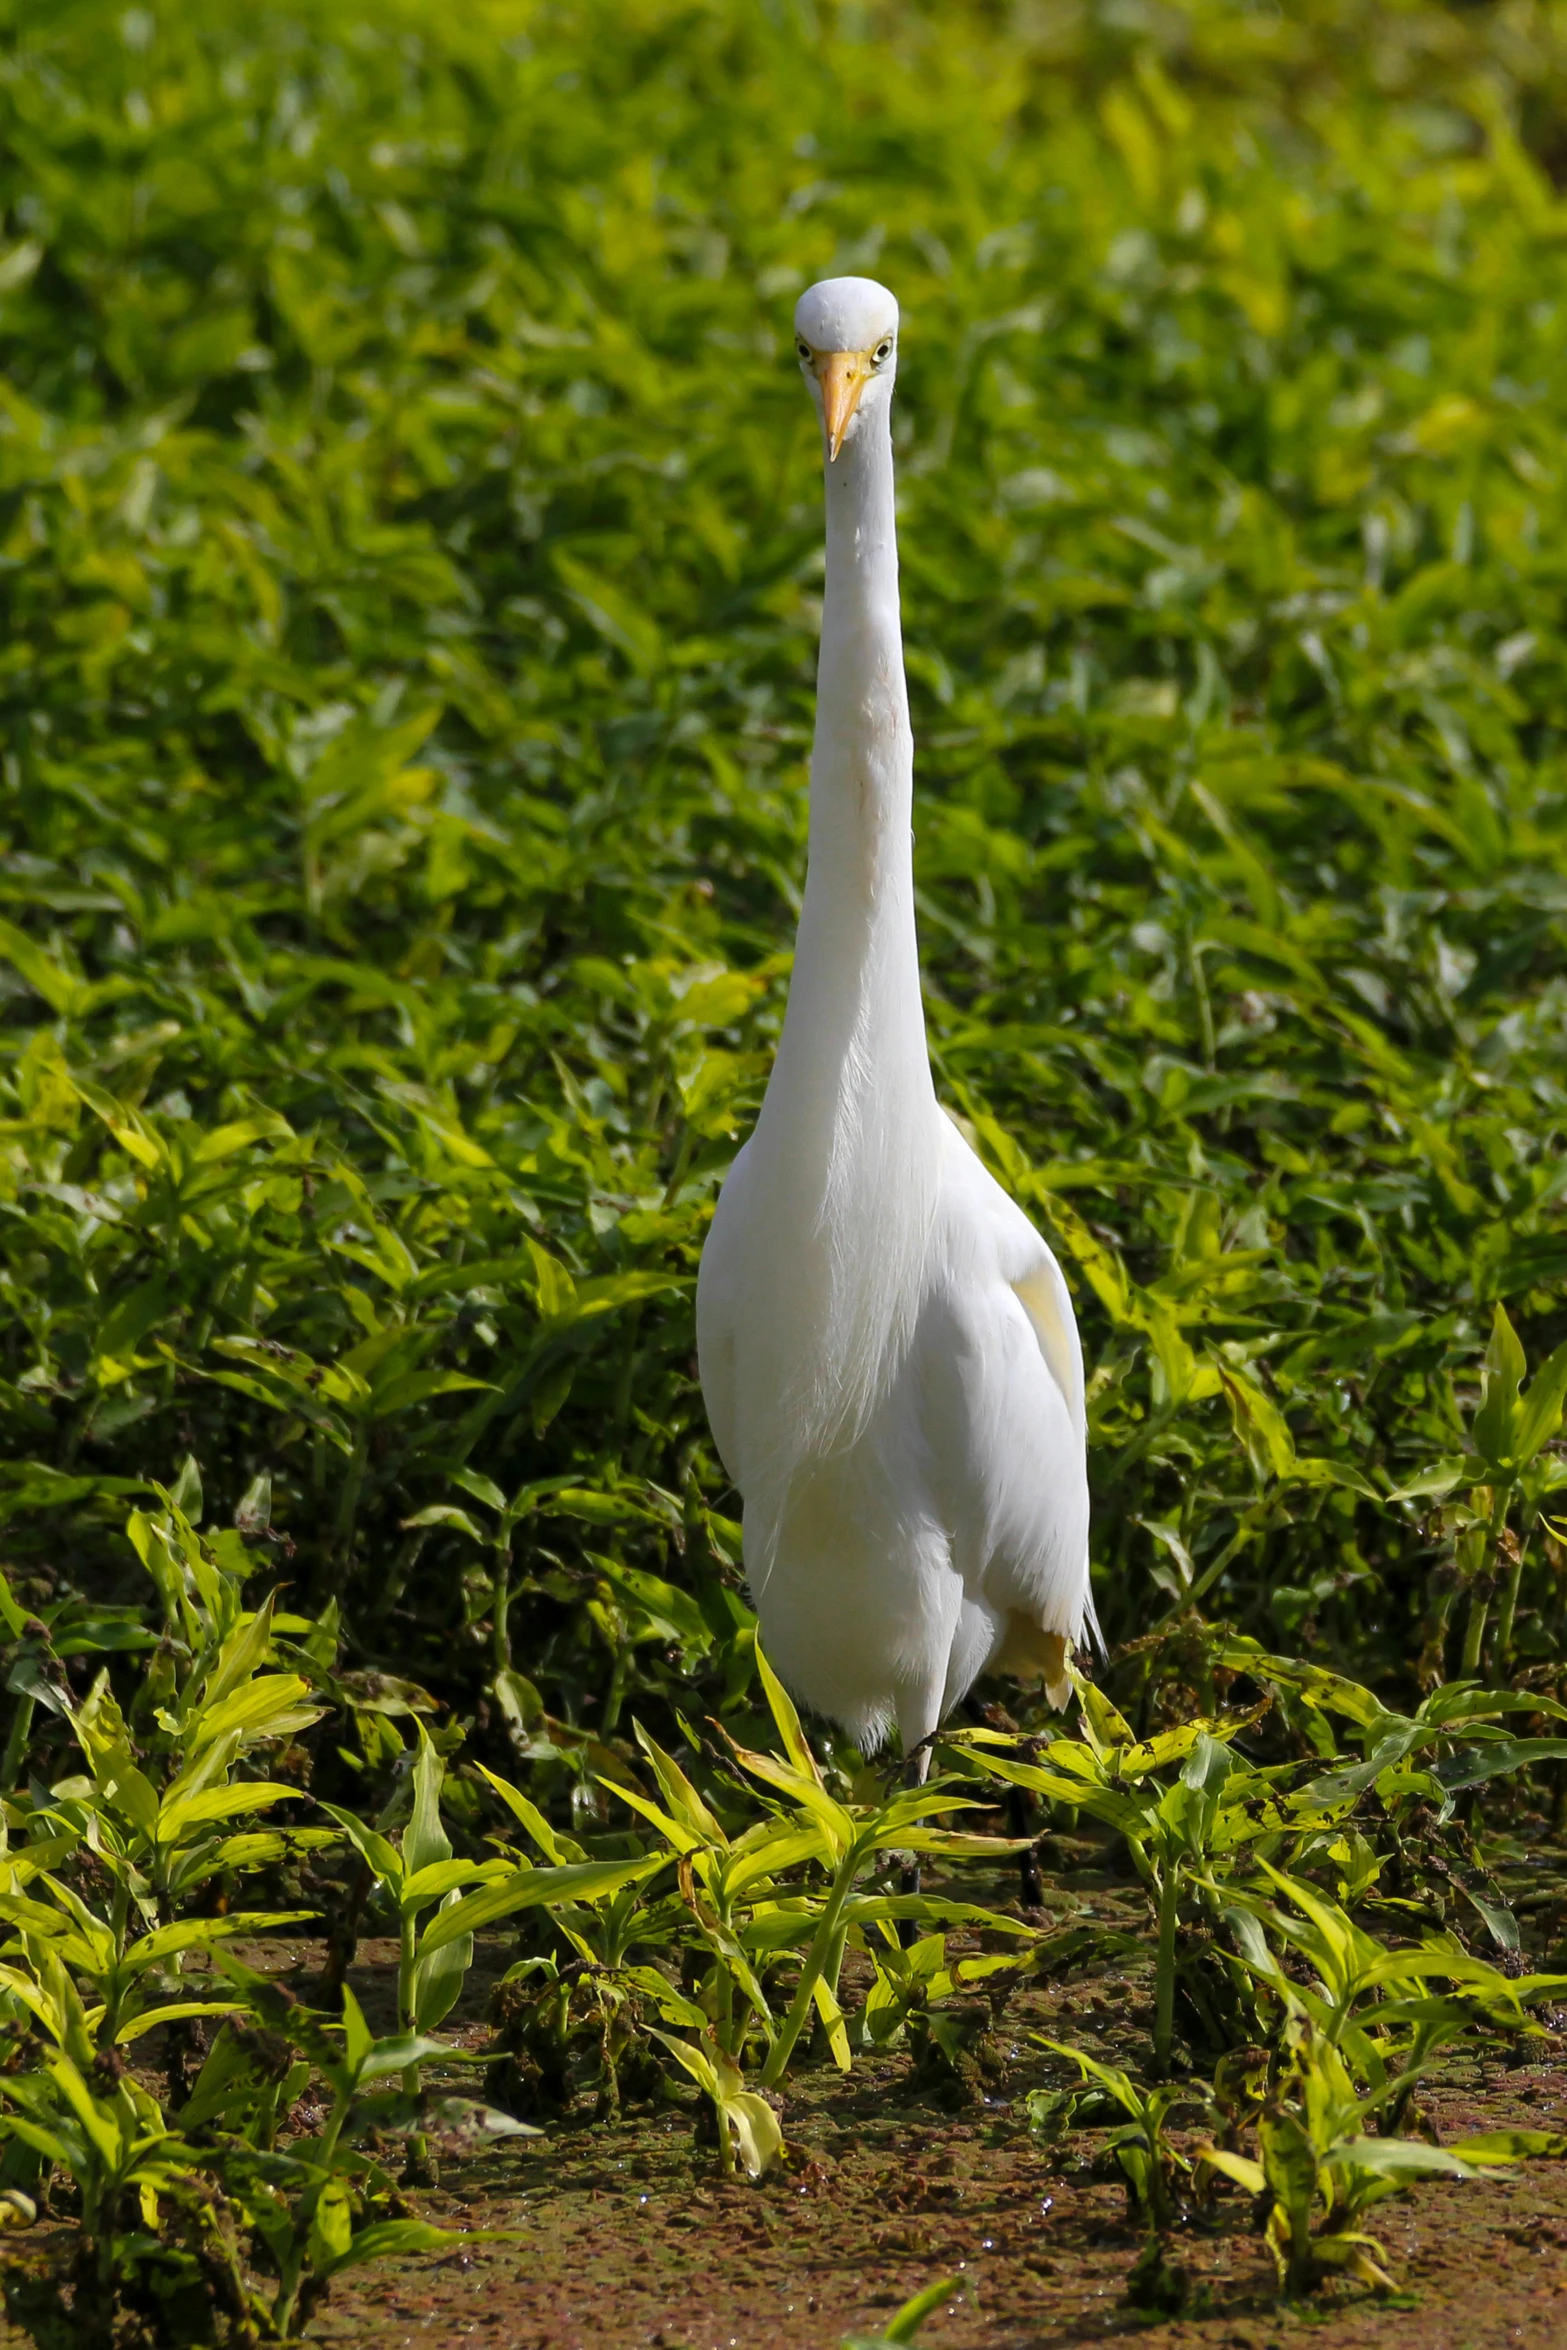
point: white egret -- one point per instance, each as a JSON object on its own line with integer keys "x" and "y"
{"x": 888, "y": 1352}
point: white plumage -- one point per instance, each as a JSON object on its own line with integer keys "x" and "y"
{"x": 888, "y": 1351}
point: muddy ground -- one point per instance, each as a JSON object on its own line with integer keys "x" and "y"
{"x": 627, "y": 2237}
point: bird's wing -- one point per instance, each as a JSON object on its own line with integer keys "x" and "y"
{"x": 1024, "y": 1262}
{"x": 1001, "y": 1379}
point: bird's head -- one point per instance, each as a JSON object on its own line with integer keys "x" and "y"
{"x": 846, "y": 338}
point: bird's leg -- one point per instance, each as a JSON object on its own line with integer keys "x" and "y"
{"x": 915, "y": 1771}
{"x": 1019, "y": 1824}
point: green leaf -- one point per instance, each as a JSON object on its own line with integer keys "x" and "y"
{"x": 425, "y": 1841}
{"x": 1442, "y": 1478}
{"x": 1471, "y": 1765}
{"x": 439, "y": 1976}
{"x": 331, "y": 2227}
{"x": 439, "y": 1877}
{"x": 1259, "y": 1424}
{"x": 48, "y": 978}
{"x": 273, "y": 1705}
{"x": 1239, "y": 2167}
{"x": 357, "y": 2037}
{"x": 671, "y": 1613}
{"x": 905, "y": 2325}
{"x": 152, "y": 2019}
{"x": 782, "y": 1708}
{"x": 393, "y": 2239}
{"x": 908, "y": 2320}
{"x": 178, "y": 1814}
{"x": 556, "y": 1848}
{"x": 482, "y": 1488}
{"x": 589, "y": 1881}
{"x": 379, "y": 1851}
{"x": 1540, "y": 1410}
{"x": 1397, "y": 2158}
{"x": 399, "y": 2053}
{"x": 1496, "y": 1424}
{"x": 443, "y": 1513}
{"x": 223, "y": 1141}
{"x": 1510, "y": 2146}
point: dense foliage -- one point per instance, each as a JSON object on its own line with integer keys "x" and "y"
{"x": 411, "y": 527}
{"x": 409, "y": 553}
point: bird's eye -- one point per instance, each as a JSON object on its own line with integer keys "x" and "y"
{"x": 882, "y": 352}
{"x": 804, "y": 350}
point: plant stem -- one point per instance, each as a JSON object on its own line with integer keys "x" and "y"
{"x": 334, "y": 2127}
{"x": 614, "y": 1695}
{"x": 834, "y": 1966}
{"x": 1474, "y": 1633}
{"x": 16, "y": 1741}
{"x": 1243, "y": 1533}
{"x": 501, "y": 1647}
{"x": 1485, "y": 1584}
{"x": 1164, "y": 1978}
{"x": 347, "y": 1513}
{"x": 1432, "y": 1667}
{"x": 416, "y": 2146}
{"x": 1301, "y": 2264}
{"x": 1504, "y": 1622}
{"x": 815, "y": 1961}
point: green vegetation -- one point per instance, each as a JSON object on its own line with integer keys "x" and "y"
{"x": 904, "y": 2327}
{"x": 409, "y": 544}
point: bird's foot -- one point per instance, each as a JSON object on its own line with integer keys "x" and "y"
{"x": 908, "y": 1886}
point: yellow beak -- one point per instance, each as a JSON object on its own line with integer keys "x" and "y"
{"x": 843, "y": 376}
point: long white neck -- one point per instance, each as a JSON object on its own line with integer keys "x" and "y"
{"x": 859, "y": 898}
{"x": 848, "y": 1132}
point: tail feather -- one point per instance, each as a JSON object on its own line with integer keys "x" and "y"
{"x": 1030, "y": 1653}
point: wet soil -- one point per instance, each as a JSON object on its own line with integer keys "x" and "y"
{"x": 626, "y": 2236}
{"x": 630, "y": 2244}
